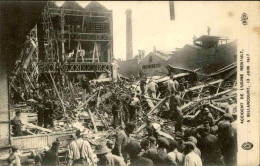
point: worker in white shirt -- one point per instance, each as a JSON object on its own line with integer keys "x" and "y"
{"x": 152, "y": 89}
{"x": 175, "y": 85}
{"x": 169, "y": 84}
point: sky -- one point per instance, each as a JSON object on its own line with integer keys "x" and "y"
{"x": 152, "y": 27}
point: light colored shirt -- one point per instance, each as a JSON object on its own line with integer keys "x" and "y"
{"x": 135, "y": 101}
{"x": 170, "y": 84}
{"x": 177, "y": 157}
{"x": 192, "y": 159}
{"x": 80, "y": 149}
{"x": 175, "y": 85}
{"x": 152, "y": 86}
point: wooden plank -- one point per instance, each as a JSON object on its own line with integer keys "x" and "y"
{"x": 92, "y": 120}
{"x": 37, "y": 127}
{"x": 62, "y": 103}
{"x": 204, "y": 85}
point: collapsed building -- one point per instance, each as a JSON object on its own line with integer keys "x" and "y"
{"x": 61, "y": 49}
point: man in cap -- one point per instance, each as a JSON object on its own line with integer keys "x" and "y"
{"x": 106, "y": 158}
{"x": 115, "y": 112}
{"x": 159, "y": 156}
{"x": 179, "y": 138}
{"x": 175, "y": 154}
{"x": 177, "y": 114}
{"x": 145, "y": 145}
{"x": 122, "y": 140}
{"x": 80, "y": 152}
{"x": 191, "y": 158}
{"x": 17, "y": 124}
{"x": 51, "y": 157}
{"x": 207, "y": 115}
{"x": 14, "y": 158}
{"x": 226, "y": 135}
{"x": 40, "y": 112}
{"x": 134, "y": 106}
{"x": 194, "y": 141}
{"x": 210, "y": 149}
{"x": 142, "y": 85}
{"x": 152, "y": 142}
{"x": 133, "y": 149}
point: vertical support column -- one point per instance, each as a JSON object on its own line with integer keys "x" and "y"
{"x": 4, "y": 108}
{"x": 62, "y": 36}
{"x": 111, "y": 40}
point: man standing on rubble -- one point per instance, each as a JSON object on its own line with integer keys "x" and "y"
{"x": 17, "y": 124}
{"x": 80, "y": 152}
{"x": 142, "y": 85}
{"x": 134, "y": 106}
{"x": 40, "y": 112}
{"x": 48, "y": 119}
{"x": 115, "y": 112}
{"x": 169, "y": 84}
{"x": 176, "y": 113}
{"x": 122, "y": 138}
{"x": 152, "y": 89}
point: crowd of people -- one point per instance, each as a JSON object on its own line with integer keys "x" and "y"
{"x": 210, "y": 142}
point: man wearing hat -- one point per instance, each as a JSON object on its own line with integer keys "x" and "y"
{"x": 179, "y": 138}
{"x": 17, "y": 124}
{"x": 133, "y": 149}
{"x": 106, "y": 158}
{"x": 226, "y": 135}
{"x": 122, "y": 140}
{"x": 14, "y": 158}
{"x": 51, "y": 157}
{"x": 159, "y": 156}
{"x": 177, "y": 114}
{"x": 152, "y": 142}
{"x": 80, "y": 152}
{"x": 191, "y": 158}
{"x": 177, "y": 156}
{"x": 210, "y": 149}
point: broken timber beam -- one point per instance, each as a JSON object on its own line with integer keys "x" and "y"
{"x": 37, "y": 127}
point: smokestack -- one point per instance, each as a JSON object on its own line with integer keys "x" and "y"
{"x": 129, "y": 42}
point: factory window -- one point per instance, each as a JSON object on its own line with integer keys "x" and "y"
{"x": 151, "y": 66}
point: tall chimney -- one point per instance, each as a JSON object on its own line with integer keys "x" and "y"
{"x": 129, "y": 42}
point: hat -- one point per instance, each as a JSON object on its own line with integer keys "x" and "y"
{"x": 178, "y": 136}
{"x": 15, "y": 148}
{"x": 130, "y": 126}
{"x": 18, "y": 112}
{"x": 163, "y": 142}
{"x": 56, "y": 144}
{"x": 79, "y": 133}
{"x": 110, "y": 143}
{"x": 192, "y": 139}
{"x": 173, "y": 144}
{"x": 189, "y": 143}
{"x": 152, "y": 139}
{"x": 144, "y": 143}
{"x": 133, "y": 148}
{"x": 101, "y": 149}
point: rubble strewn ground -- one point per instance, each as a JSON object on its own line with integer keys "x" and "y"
{"x": 89, "y": 106}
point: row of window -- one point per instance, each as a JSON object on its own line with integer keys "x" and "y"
{"x": 151, "y": 66}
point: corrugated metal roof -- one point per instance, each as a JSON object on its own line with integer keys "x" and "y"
{"x": 95, "y": 6}
{"x": 165, "y": 57}
{"x": 71, "y": 5}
